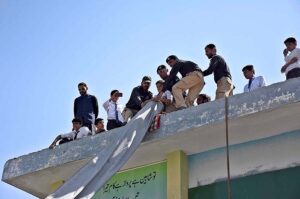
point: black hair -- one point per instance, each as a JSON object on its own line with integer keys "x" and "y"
{"x": 113, "y": 92}
{"x": 290, "y": 40}
{"x": 248, "y": 67}
{"x": 174, "y": 57}
{"x": 76, "y": 120}
{"x": 160, "y": 82}
{"x": 210, "y": 46}
{"x": 82, "y": 84}
{"x": 205, "y": 97}
{"x": 160, "y": 67}
{"x": 98, "y": 120}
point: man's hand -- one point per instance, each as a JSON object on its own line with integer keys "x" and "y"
{"x": 283, "y": 68}
{"x": 156, "y": 98}
{"x": 144, "y": 103}
{"x": 285, "y": 52}
{"x": 293, "y": 60}
{"x": 53, "y": 144}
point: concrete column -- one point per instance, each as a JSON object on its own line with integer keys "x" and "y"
{"x": 177, "y": 175}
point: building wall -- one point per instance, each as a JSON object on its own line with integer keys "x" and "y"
{"x": 280, "y": 184}
{"x": 265, "y": 168}
{"x": 269, "y": 154}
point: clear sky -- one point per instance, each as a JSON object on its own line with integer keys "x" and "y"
{"x": 48, "y": 46}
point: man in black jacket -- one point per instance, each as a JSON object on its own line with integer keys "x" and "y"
{"x": 162, "y": 71}
{"x": 85, "y": 106}
{"x": 192, "y": 80}
{"x": 140, "y": 95}
{"x": 221, "y": 72}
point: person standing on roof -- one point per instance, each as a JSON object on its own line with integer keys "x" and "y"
{"x": 192, "y": 80}
{"x": 114, "y": 110}
{"x": 85, "y": 106}
{"x": 292, "y": 58}
{"x": 221, "y": 72}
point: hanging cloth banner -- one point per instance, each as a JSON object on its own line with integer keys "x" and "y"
{"x": 91, "y": 177}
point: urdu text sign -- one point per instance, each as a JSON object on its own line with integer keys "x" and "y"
{"x": 146, "y": 182}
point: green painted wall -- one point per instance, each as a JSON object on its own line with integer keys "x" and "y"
{"x": 146, "y": 182}
{"x": 281, "y": 184}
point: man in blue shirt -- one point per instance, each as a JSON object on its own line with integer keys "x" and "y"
{"x": 85, "y": 106}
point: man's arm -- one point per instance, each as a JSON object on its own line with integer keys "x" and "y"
{"x": 172, "y": 76}
{"x": 54, "y": 142}
{"x": 146, "y": 101}
{"x": 262, "y": 82}
{"x": 212, "y": 66}
{"x": 75, "y": 107}
{"x": 95, "y": 106}
{"x": 106, "y": 105}
{"x": 135, "y": 96}
{"x": 246, "y": 88}
{"x": 293, "y": 60}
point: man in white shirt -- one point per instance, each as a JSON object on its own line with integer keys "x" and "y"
{"x": 254, "y": 82}
{"x": 77, "y": 132}
{"x": 114, "y": 111}
{"x": 99, "y": 124}
{"x": 292, "y": 59}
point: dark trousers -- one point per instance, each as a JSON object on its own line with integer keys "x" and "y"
{"x": 293, "y": 73}
{"x": 112, "y": 124}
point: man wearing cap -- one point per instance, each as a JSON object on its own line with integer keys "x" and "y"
{"x": 162, "y": 71}
{"x": 254, "y": 82}
{"x": 192, "y": 80}
{"x": 85, "y": 106}
{"x": 221, "y": 72}
{"x": 140, "y": 95}
{"x": 114, "y": 110}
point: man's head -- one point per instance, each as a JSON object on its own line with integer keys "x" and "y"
{"x": 82, "y": 88}
{"x": 114, "y": 95}
{"x": 210, "y": 50}
{"x": 203, "y": 98}
{"x": 146, "y": 82}
{"x": 160, "y": 85}
{"x": 162, "y": 71}
{"x": 99, "y": 123}
{"x": 172, "y": 60}
{"x": 290, "y": 43}
{"x": 248, "y": 71}
{"x": 76, "y": 124}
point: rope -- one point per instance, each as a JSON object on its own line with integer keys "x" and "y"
{"x": 227, "y": 150}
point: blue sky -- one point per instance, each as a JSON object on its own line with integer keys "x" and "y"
{"x": 47, "y": 47}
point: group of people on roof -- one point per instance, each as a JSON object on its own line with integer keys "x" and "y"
{"x": 173, "y": 92}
